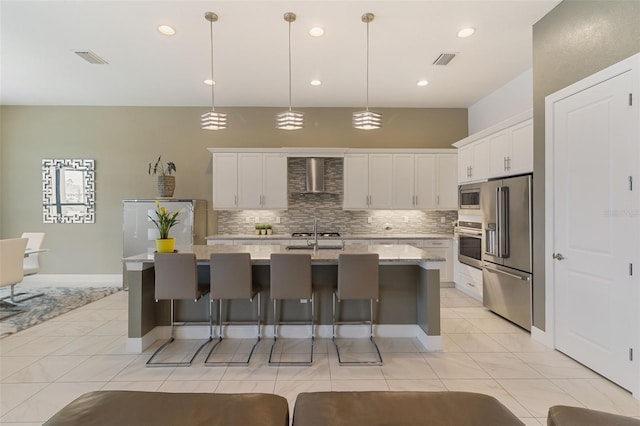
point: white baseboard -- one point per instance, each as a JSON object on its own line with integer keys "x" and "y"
{"x": 73, "y": 280}
{"x": 432, "y": 343}
{"x": 288, "y": 331}
{"x": 542, "y": 337}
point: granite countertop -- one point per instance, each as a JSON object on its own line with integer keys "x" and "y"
{"x": 260, "y": 254}
{"x": 379, "y": 236}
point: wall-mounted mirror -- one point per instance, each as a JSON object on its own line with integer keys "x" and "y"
{"x": 68, "y": 191}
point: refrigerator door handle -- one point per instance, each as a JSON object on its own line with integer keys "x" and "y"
{"x": 503, "y": 218}
{"x": 498, "y": 231}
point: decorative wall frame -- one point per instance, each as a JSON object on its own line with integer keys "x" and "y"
{"x": 68, "y": 191}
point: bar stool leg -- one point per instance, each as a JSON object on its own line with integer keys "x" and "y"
{"x": 370, "y": 322}
{"x": 275, "y": 337}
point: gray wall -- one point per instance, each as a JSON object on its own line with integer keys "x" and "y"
{"x": 123, "y": 140}
{"x": 573, "y": 41}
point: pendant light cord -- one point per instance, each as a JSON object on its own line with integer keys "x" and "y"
{"x": 367, "y": 100}
{"x": 289, "y": 65}
{"x": 213, "y": 82}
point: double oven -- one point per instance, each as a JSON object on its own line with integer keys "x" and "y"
{"x": 469, "y": 228}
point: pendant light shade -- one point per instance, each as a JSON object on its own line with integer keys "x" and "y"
{"x": 212, "y": 120}
{"x": 367, "y": 120}
{"x": 290, "y": 120}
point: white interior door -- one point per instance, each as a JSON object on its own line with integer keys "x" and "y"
{"x": 595, "y": 230}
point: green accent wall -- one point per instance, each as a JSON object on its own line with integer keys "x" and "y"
{"x": 574, "y": 40}
{"x": 123, "y": 140}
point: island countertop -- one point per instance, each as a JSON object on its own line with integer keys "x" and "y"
{"x": 261, "y": 254}
{"x": 371, "y": 236}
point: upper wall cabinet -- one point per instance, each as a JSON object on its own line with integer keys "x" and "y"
{"x": 425, "y": 181}
{"x": 367, "y": 181}
{"x": 249, "y": 180}
{"x": 473, "y": 162}
{"x": 505, "y": 149}
{"x": 511, "y": 151}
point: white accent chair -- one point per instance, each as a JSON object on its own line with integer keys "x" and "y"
{"x": 31, "y": 263}
{"x": 11, "y": 272}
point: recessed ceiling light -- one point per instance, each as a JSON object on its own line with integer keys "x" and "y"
{"x": 316, "y": 32}
{"x": 422, "y": 83}
{"x": 166, "y": 30}
{"x": 466, "y": 32}
{"x": 209, "y": 82}
{"x": 315, "y": 82}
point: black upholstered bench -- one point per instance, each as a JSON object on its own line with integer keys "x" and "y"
{"x": 401, "y": 408}
{"x": 562, "y": 415}
{"x": 121, "y": 408}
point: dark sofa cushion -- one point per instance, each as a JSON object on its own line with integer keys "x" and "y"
{"x": 122, "y": 408}
{"x": 401, "y": 408}
{"x": 563, "y": 415}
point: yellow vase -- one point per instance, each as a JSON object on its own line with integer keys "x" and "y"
{"x": 167, "y": 245}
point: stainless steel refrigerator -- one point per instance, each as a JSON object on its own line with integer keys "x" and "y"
{"x": 506, "y": 258}
{"x": 140, "y": 233}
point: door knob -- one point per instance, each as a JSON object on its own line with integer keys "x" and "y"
{"x": 558, "y": 256}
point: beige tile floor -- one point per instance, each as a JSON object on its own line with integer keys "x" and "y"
{"x": 45, "y": 367}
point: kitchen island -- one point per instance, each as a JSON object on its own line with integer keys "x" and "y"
{"x": 409, "y": 293}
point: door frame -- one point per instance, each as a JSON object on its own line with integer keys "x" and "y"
{"x": 547, "y": 337}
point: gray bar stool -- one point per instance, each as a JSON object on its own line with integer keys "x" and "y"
{"x": 291, "y": 280}
{"x": 176, "y": 278}
{"x": 231, "y": 278}
{"x": 358, "y": 278}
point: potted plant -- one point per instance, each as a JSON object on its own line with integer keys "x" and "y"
{"x": 164, "y": 221}
{"x": 166, "y": 182}
{"x": 269, "y": 229}
{"x": 258, "y": 228}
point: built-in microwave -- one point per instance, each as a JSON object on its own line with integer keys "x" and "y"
{"x": 469, "y": 197}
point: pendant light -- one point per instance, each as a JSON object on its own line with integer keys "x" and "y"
{"x": 213, "y": 120}
{"x": 367, "y": 120}
{"x": 289, "y": 120}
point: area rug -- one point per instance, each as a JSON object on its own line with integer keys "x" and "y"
{"x": 55, "y": 301}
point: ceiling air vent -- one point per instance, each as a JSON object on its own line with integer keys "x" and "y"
{"x": 444, "y": 58}
{"x": 91, "y": 57}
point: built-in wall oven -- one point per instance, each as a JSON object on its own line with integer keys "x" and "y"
{"x": 470, "y": 243}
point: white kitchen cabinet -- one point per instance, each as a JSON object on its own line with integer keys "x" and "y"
{"x": 368, "y": 181}
{"x": 425, "y": 181}
{"x": 262, "y": 181}
{"x": 473, "y": 162}
{"x": 511, "y": 150}
{"x": 249, "y": 180}
{"x": 466, "y": 278}
{"x": 447, "y": 182}
{"x": 224, "y": 170}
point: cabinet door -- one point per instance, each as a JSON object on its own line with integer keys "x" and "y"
{"x": 380, "y": 181}
{"x": 356, "y": 181}
{"x": 250, "y": 180}
{"x": 274, "y": 181}
{"x": 224, "y": 170}
{"x": 480, "y": 160}
{"x": 447, "y": 182}
{"x": 499, "y": 153}
{"x": 425, "y": 181}
{"x": 465, "y": 162}
{"x": 521, "y": 160}
{"x": 403, "y": 181}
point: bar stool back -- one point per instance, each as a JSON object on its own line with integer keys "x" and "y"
{"x": 291, "y": 280}
{"x": 358, "y": 278}
{"x": 231, "y": 278}
{"x": 176, "y": 278}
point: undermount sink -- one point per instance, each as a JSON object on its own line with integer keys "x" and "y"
{"x": 311, "y": 248}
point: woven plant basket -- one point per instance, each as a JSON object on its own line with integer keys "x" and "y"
{"x": 166, "y": 186}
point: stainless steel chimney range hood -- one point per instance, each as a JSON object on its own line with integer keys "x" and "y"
{"x": 314, "y": 176}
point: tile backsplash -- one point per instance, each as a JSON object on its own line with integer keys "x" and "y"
{"x": 328, "y": 209}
